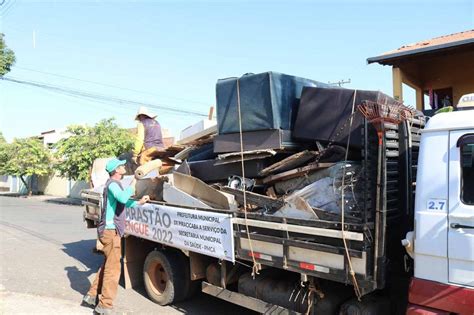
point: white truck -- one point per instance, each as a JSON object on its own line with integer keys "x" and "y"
{"x": 276, "y": 265}
{"x": 443, "y": 252}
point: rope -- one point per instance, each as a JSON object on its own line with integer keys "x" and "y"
{"x": 256, "y": 266}
{"x": 313, "y": 290}
{"x": 351, "y": 269}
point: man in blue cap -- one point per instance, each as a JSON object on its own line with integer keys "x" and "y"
{"x": 111, "y": 228}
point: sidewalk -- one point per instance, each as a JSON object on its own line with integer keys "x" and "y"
{"x": 46, "y": 198}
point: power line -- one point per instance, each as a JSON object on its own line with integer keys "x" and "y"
{"x": 108, "y": 85}
{"x": 79, "y": 100}
{"x": 6, "y": 5}
{"x": 7, "y": 9}
{"x": 99, "y": 97}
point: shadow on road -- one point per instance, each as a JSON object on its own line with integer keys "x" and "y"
{"x": 90, "y": 262}
{"x": 202, "y": 304}
{"x": 64, "y": 201}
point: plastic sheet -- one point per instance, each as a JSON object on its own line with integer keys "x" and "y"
{"x": 267, "y": 100}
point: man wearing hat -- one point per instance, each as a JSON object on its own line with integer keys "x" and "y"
{"x": 149, "y": 138}
{"x": 110, "y": 229}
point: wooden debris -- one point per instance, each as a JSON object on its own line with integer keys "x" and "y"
{"x": 271, "y": 192}
{"x": 201, "y": 141}
{"x": 202, "y": 134}
{"x": 296, "y": 172}
{"x": 165, "y": 153}
{"x": 248, "y": 155}
{"x": 290, "y": 162}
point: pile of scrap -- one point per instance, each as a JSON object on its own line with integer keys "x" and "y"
{"x": 287, "y": 152}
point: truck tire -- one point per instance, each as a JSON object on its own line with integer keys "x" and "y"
{"x": 370, "y": 305}
{"x": 165, "y": 281}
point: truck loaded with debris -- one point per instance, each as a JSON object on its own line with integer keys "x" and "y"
{"x": 294, "y": 201}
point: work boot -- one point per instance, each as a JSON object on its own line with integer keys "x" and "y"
{"x": 89, "y": 300}
{"x": 103, "y": 310}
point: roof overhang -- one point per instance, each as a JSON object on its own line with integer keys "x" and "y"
{"x": 389, "y": 58}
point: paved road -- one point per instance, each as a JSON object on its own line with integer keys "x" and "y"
{"x": 47, "y": 265}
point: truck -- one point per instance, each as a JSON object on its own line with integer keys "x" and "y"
{"x": 405, "y": 247}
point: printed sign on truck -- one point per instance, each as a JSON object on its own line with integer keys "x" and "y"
{"x": 204, "y": 232}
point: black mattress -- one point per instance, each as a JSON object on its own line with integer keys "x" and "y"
{"x": 324, "y": 114}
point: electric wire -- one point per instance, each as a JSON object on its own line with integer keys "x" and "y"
{"x": 108, "y": 85}
{"x": 100, "y": 97}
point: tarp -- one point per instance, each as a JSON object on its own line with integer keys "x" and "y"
{"x": 267, "y": 100}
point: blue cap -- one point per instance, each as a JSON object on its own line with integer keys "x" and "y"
{"x": 113, "y": 164}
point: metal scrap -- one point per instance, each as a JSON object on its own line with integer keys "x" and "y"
{"x": 290, "y": 162}
{"x": 257, "y": 200}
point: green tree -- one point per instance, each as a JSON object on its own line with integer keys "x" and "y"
{"x": 27, "y": 157}
{"x": 76, "y": 153}
{"x": 7, "y": 57}
{"x": 3, "y": 154}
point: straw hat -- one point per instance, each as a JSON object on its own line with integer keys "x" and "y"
{"x": 144, "y": 111}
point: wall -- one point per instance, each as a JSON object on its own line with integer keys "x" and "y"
{"x": 5, "y": 182}
{"x": 54, "y": 185}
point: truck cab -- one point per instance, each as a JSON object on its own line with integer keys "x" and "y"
{"x": 443, "y": 253}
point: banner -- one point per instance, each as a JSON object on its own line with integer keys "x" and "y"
{"x": 205, "y": 232}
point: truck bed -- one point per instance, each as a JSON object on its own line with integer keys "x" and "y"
{"x": 316, "y": 247}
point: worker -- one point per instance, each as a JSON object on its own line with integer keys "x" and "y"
{"x": 149, "y": 138}
{"x": 111, "y": 228}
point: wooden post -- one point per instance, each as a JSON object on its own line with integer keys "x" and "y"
{"x": 397, "y": 77}
{"x": 211, "y": 113}
{"x": 419, "y": 98}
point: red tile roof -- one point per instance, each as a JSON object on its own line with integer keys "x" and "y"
{"x": 466, "y": 37}
{"x": 456, "y": 37}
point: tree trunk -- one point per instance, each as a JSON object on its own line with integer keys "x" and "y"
{"x": 89, "y": 178}
{"x": 26, "y": 185}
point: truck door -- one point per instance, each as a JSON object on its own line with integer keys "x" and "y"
{"x": 461, "y": 208}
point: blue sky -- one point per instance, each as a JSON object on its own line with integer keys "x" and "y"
{"x": 173, "y": 52}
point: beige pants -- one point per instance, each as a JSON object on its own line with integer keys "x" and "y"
{"x": 107, "y": 278}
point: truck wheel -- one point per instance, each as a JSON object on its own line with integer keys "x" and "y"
{"x": 370, "y": 305}
{"x": 165, "y": 281}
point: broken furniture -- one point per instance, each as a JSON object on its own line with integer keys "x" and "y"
{"x": 272, "y": 139}
{"x": 325, "y": 114}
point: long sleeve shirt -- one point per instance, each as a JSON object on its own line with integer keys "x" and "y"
{"x": 116, "y": 194}
{"x": 139, "y": 139}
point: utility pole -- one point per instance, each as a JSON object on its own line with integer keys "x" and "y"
{"x": 340, "y": 82}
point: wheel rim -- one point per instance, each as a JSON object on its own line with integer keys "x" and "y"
{"x": 158, "y": 276}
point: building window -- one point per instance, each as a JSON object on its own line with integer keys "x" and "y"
{"x": 466, "y": 146}
{"x": 438, "y": 98}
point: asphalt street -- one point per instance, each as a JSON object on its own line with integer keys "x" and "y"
{"x": 47, "y": 265}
